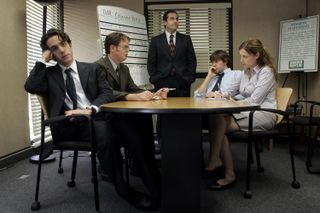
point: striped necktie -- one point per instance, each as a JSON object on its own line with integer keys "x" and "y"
{"x": 172, "y": 46}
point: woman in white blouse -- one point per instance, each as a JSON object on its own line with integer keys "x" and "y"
{"x": 256, "y": 84}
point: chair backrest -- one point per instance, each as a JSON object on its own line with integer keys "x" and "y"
{"x": 43, "y": 105}
{"x": 283, "y": 96}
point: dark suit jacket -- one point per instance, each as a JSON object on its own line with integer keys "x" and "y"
{"x": 122, "y": 85}
{"x": 49, "y": 82}
{"x": 160, "y": 62}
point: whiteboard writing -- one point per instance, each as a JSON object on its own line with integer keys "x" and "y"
{"x": 116, "y": 19}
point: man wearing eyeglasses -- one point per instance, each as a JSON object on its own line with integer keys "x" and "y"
{"x": 135, "y": 131}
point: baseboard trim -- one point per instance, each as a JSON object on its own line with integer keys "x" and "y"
{"x": 15, "y": 157}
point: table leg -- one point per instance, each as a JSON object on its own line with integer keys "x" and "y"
{"x": 181, "y": 162}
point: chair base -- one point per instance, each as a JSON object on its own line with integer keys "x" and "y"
{"x": 60, "y": 170}
{"x": 35, "y": 159}
{"x": 71, "y": 183}
{"x": 247, "y": 195}
{"x": 260, "y": 169}
{"x": 295, "y": 184}
{"x": 35, "y": 206}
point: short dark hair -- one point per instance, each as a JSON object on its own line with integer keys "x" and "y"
{"x": 165, "y": 15}
{"x": 220, "y": 55}
{"x": 114, "y": 39}
{"x": 53, "y": 32}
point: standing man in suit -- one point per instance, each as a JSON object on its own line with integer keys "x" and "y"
{"x": 171, "y": 58}
{"x": 72, "y": 88}
{"x": 134, "y": 130}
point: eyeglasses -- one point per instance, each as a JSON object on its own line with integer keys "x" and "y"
{"x": 124, "y": 47}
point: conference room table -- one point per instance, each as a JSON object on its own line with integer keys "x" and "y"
{"x": 181, "y": 148}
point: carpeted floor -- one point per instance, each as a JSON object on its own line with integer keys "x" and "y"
{"x": 271, "y": 190}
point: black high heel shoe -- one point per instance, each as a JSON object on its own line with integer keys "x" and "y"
{"x": 216, "y": 186}
{"x": 215, "y": 173}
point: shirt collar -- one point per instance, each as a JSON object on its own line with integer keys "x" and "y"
{"x": 256, "y": 69}
{"x": 73, "y": 66}
{"x": 168, "y": 35}
{"x": 114, "y": 65}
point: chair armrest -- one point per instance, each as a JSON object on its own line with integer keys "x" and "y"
{"x": 277, "y": 111}
{"x": 313, "y": 104}
{"x": 60, "y": 118}
{"x": 306, "y": 101}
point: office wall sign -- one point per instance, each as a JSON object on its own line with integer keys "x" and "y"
{"x": 299, "y": 45}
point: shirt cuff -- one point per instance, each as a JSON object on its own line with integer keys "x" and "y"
{"x": 95, "y": 108}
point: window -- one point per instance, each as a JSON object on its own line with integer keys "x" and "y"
{"x": 34, "y": 23}
{"x": 208, "y": 24}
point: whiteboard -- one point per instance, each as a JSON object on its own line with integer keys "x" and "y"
{"x": 299, "y": 45}
{"x": 132, "y": 24}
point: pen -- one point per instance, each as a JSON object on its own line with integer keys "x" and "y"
{"x": 170, "y": 89}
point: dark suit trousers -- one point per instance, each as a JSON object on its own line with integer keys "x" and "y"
{"x": 136, "y": 133}
{"x": 172, "y": 81}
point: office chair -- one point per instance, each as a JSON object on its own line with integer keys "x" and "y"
{"x": 67, "y": 145}
{"x": 308, "y": 121}
{"x": 282, "y": 96}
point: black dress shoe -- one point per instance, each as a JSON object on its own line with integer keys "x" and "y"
{"x": 215, "y": 173}
{"x": 139, "y": 200}
{"x": 216, "y": 186}
{"x": 104, "y": 175}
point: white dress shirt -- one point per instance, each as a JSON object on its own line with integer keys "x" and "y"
{"x": 229, "y": 77}
{"x": 82, "y": 100}
{"x": 168, "y": 37}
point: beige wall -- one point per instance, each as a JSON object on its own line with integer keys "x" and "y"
{"x": 14, "y": 130}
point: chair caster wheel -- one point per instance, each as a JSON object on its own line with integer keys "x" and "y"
{"x": 295, "y": 184}
{"x": 247, "y": 195}
{"x": 71, "y": 183}
{"x": 260, "y": 169}
{"x": 60, "y": 170}
{"x": 35, "y": 206}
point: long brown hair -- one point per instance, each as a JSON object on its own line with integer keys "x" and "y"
{"x": 254, "y": 46}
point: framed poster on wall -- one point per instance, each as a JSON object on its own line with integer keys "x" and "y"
{"x": 299, "y": 45}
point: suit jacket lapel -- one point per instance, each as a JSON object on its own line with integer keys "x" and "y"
{"x": 110, "y": 69}
{"x": 59, "y": 77}
{"x": 178, "y": 43}
{"x": 83, "y": 75}
{"x": 165, "y": 45}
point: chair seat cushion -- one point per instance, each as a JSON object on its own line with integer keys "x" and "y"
{"x": 305, "y": 120}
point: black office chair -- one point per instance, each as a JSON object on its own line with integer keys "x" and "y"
{"x": 68, "y": 145}
{"x": 282, "y": 95}
{"x": 307, "y": 121}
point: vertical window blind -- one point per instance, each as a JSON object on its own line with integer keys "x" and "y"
{"x": 34, "y": 22}
{"x": 208, "y": 24}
